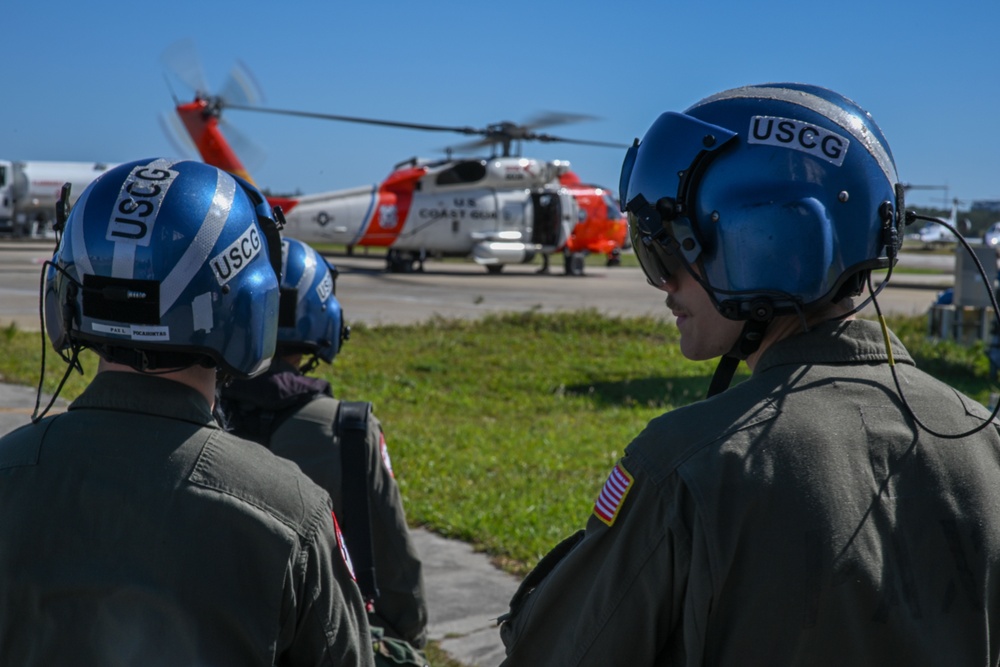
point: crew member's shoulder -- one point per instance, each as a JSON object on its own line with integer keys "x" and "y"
{"x": 675, "y": 436}
{"x": 20, "y": 447}
{"x": 249, "y": 472}
{"x": 320, "y": 409}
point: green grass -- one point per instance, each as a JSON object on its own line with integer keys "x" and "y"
{"x": 438, "y": 657}
{"x": 503, "y": 430}
{"x": 21, "y": 360}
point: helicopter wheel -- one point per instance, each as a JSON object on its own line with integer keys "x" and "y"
{"x": 574, "y": 263}
{"x": 399, "y": 262}
{"x": 494, "y": 269}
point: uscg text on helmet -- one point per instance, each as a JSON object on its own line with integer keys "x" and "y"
{"x": 139, "y": 203}
{"x": 228, "y": 263}
{"x": 801, "y": 136}
{"x": 325, "y": 288}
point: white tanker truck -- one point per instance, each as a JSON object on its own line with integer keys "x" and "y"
{"x": 29, "y": 191}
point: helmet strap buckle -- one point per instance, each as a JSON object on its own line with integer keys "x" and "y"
{"x": 749, "y": 342}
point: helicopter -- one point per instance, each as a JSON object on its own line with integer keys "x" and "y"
{"x": 499, "y": 209}
{"x": 933, "y": 235}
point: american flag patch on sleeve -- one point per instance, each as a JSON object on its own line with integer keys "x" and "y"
{"x": 613, "y": 494}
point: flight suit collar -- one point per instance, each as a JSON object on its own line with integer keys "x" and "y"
{"x": 834, "y": 342}
{"x": 147, "y": 394}
{"x": 280, "y": 387}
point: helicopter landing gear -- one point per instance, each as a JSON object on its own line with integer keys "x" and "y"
{"x": 494, "y": 269}
{"x": 398, "y": 261}
{"x": 574, "y": 262}
{"x": 615, "y": 258}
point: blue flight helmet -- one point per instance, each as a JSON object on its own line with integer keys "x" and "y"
{"x": 310, "y": 320}
{"x": 784, "y": 196}
{"x": 164, "y": 264}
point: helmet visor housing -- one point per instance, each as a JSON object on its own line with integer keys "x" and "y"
{"x": 783, "y": 212}
{"x": 653, "y": 191}
{"x": 170, "y": 258}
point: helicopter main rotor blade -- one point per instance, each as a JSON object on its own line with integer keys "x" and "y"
{"x": 355, "y": 119}
{"x": 499, "y": 134}
{"x": 542, "y": 138}
{"x": 548, "y": 138}
{"x": 550, "y": 118}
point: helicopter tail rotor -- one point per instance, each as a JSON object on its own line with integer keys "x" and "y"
{"x": 182, "y": 60}
{"x": 173, "y": 129}
{"x": 240, "y": 88}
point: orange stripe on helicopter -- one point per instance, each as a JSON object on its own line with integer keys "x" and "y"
{"x": 204, "y": 130}
{"x": 203, "y": 126}
{"x": 395, "y": 195}
{"x": 600, "y": 229}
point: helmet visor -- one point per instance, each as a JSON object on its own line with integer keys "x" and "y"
{"x": 657, "y": 173}
{"x": 653, "y": 242}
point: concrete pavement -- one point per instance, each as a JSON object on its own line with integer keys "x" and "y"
{"x": 462, "y": 290}
{"x": 465, "y": 593}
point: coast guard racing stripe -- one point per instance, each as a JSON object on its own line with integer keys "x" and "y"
{"x": 613, "y": 494}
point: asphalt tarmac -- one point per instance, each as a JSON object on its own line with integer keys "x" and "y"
{"x": 463, "y": 290}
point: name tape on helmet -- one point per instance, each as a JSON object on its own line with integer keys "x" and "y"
{"x": 133, "y": 331}
{"x": 228, "y": 263}
{"x": 798, "y": 135}
{"x": 139, "y": 202}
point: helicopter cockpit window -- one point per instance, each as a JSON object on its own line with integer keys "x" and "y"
{"x": 463, "y": 172}
{"x": 614, "y": 211}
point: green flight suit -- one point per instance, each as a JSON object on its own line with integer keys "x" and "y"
{"x": 304, "y": 433}
{"x": 799, "y": 518}
{"x": 136, "y": 531}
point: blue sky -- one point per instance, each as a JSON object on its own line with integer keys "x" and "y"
{"x": 86, "y": 83}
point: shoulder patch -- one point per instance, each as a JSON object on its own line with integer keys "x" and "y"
{"x": 343, "y": 547}
{"x": 384, "y": 450}
{"x": 613, "y": 494}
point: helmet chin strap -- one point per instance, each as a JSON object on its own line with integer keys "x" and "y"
{"x": 748, "y": 342}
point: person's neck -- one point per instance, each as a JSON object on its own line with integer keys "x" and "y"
{"x": 790, "y": 325}
{"x": 294, "y": 360}
{"x": 199, "y": 378}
